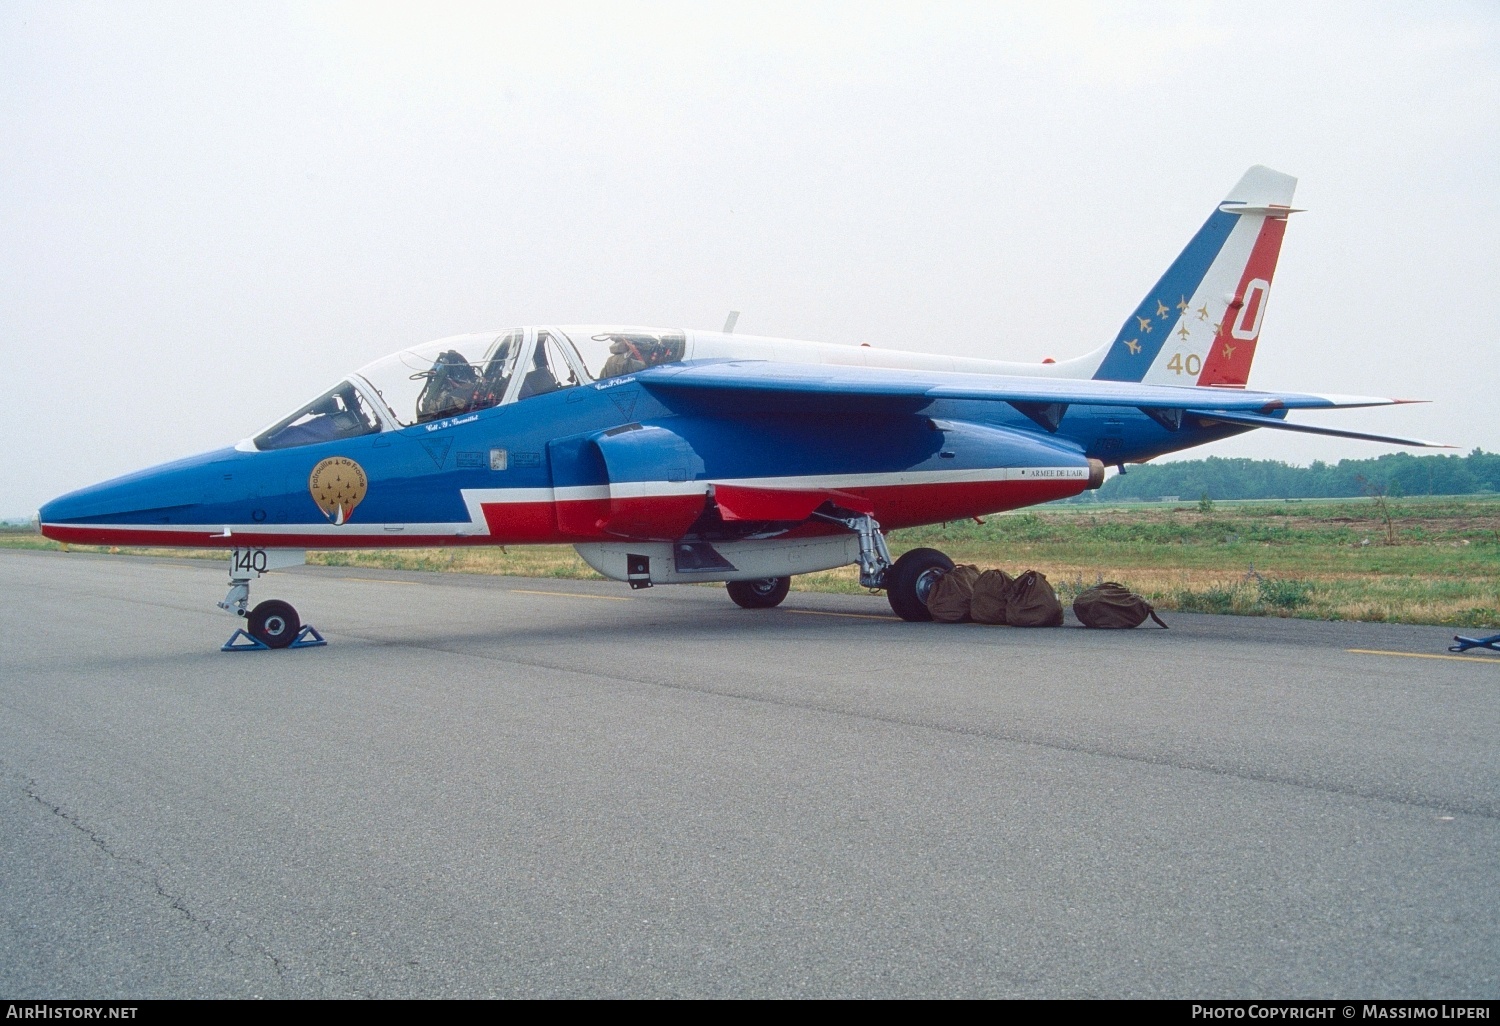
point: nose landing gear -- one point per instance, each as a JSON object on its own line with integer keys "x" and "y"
{"x": 272, "y": 623}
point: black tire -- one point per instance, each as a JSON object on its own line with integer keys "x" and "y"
{"x": 761, "y": 594}
{"x": 274, "y": 623}
{"x": 910, "y": 579}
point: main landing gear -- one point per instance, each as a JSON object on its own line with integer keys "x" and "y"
{"x": 761, "y": 594}
{"x": 272, "y": 623}
{"x": 910, "y": 579}
{"x": 907, "y": 581}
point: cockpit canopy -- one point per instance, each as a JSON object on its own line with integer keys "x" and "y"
{"x": 466, "y": 373}
{"x": 341, "y": 412}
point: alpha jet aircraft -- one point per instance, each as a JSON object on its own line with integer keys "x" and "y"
{"x": 669, "y": 456}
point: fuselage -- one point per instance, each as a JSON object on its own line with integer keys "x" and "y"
{"x": 595, "y": 456}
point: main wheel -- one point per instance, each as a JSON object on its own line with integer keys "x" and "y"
{"x": 910, "y": 579}
{"x": 274, "y": 623}
{"x": 761, "y": 594}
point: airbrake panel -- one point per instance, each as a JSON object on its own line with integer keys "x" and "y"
{"x": 737, "y": 502}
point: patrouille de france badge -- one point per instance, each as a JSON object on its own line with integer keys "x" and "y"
{"x": 338, "y": 484}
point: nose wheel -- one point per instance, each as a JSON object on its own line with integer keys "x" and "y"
{"x": 273, "y": 623}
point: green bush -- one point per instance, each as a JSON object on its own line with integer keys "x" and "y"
{"x": 1284, "y": 592}
{"x": 1217, "y": 599}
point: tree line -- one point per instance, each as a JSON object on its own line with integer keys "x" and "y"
{"x": 1394, "y": 474}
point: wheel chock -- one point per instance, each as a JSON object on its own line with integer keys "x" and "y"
{"x": 240, "y": 641}
{"x": 1464, "y": 644}
{"x": 308, "y": 637}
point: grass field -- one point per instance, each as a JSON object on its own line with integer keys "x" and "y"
{"x": 1418, "y": 560}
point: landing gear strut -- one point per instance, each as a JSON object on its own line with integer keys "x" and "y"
{"x": 874, "y": 557}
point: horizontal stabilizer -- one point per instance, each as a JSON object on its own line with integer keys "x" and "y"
{"x": 1254, "y": 420}
{"x": 1262, "y": 211}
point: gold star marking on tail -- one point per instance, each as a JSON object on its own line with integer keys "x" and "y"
{"x": 1145, "y": 323}
{"x": 1203, "y": 312}
{"x": 1161, "y": 309}
{"x": 1133, "y": 345}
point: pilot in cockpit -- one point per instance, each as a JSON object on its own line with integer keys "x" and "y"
{"x": 449, "y": 388}
{"x": 624, "y": 358}
{"x": 454, "y": 385}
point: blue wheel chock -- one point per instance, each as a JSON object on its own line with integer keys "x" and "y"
{"x": 241, "y": 641}
{"x": 1464, "y": 644}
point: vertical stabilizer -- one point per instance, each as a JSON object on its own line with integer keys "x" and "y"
{"x": 1200, "y": 324}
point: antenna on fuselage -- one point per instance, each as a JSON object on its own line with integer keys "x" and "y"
{"x": 734, "y": 315}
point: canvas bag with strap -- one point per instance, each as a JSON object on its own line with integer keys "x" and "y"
{"x": 1112, "y": 606}
{"x": 1033, "y": 603}
{"x": 991, "y": 592}
{"x": 948, "y": 601}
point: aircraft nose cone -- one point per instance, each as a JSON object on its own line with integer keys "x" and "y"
{"x": 157, "y": 495}
{"x": 57, "y": 510}
{"x": 96, "y": 502}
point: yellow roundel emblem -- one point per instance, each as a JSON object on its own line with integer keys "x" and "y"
{"x": 338, "y": 484}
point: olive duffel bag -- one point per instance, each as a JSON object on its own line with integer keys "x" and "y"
{"x": 948, "y": 601}
{"x": 991, "y": 592}
{"x": 1111, "y": 606}
{"x": 1032, "y": 602}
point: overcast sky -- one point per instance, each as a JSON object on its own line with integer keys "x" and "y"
{"x": 210, "y": 212}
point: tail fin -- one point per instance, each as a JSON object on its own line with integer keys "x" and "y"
{"x": 1199, "y": 325}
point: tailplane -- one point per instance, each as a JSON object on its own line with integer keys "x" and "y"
{"x": 1200, "y": 324}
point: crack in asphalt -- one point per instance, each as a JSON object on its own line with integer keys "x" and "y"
{"x": 1425, "y": 802}
{"x": 176, "y": 902}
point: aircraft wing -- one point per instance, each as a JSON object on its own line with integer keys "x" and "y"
{"x": 755, "y": 386}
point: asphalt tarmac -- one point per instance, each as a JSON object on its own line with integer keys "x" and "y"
{"x": 504, "y": 787}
